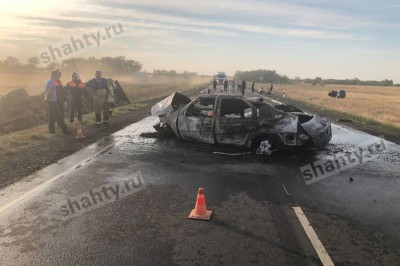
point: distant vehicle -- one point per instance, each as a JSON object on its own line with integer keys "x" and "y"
{"x": 221, "y": 77}
{"x": 338, "y": 94}
{"x": 234, "y": 120}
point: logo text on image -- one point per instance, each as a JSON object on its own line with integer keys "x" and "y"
{"x": 81, "y": 42}
{"x": 97, "y": 197}
{"x": 333, "y": 164}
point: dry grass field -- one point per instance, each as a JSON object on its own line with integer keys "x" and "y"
{"x": 378, "y": 103}
{"x": 33, "y": 83}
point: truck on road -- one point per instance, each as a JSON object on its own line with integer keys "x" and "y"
{"x": 221, "y": 77}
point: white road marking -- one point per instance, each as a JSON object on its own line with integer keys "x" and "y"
{"x": 319, "y": 248}
{"x": 287, "y": 193}
{"x": 51, "y": 180}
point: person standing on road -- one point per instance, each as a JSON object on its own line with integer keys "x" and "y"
{"x": 226, "y": 85}
{"x": 252, "y": 86}
{"x": 100, "y": 90}
{"x": 271, "y": 86}
{"x": 214, "y": 84}
{"x": 75, "y": 89}
{"x": 243, "y": 87}
{"x": 239, "y": 85}
{"x": 233, "y": 85}
{"x": 54, "y": 111}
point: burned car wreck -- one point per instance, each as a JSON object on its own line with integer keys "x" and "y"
{"x": 234, "y": 120}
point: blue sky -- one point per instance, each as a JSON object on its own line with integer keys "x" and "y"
{"x": 331, "y": 39}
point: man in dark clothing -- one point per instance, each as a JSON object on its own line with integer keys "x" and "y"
{"x": 75, "y": 89}
{"x": 226, "y": 85}
{"x": 243, "y": 88}
{"x": 214, "y": 84}
{"x": 252, "y": 86}
{"x": 100, "y": 90}
{"x": 61, "y": 93}
{"x": 54, "y": 111}
{"x": 271, "y": 86}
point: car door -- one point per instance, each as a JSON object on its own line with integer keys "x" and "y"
{"x": 236, "y": 118}
{"x": 198, "y": 122}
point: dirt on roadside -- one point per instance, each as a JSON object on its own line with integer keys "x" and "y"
{"x": 21, "y": 162}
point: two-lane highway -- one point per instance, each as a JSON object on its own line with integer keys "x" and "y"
{"x": 126, "y": 199}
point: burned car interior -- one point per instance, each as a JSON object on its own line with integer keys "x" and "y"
{"x": 235, "y": 120}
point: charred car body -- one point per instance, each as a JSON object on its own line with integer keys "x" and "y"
{"x": 337, "y": 94}
{"x": 234, "y": 120}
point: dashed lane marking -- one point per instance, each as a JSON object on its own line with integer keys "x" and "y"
{"x": 319, "y": 248}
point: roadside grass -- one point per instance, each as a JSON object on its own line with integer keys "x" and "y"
{"x": 137, "y": 93}
{"x": 141, "y": 92}
{"x": 20, "y": 140}
{"x": 371, "y": 105}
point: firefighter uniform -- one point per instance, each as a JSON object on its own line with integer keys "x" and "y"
{"x": 61, "y": 95}
{"x": 75, "y": 91}
{"x": 100, "y": 103}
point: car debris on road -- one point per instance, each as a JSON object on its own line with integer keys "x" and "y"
{"x": 234, "y": 120}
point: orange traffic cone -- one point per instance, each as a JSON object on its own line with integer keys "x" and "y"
{"x": 200, "y": 211}
{"x": 79, "y": 133}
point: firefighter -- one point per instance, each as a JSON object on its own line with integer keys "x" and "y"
{"x": 54, "y": 110}
{"x": 100, "y": 90}
{"x": 75, "y": 89}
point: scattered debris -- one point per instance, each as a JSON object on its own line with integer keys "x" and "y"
{"x": 345, "y": 120}
{"x": 265, "y": 148}
{"x": 150, "y": 135}
{"x": 337, "y": 94}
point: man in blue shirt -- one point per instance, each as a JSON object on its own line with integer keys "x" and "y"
{"x": 100, "y": 91}
{"x": 54, "y": 113}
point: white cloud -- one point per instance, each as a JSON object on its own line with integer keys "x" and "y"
{"x": 293, "y": 14}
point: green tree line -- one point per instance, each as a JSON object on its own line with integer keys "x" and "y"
{"x": 112, "y": 65}
{"x": 262, "y": 75}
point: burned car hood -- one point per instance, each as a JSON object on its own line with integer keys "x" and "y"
{"x": 319, "y": 128}
{"x": 172, "y": 103}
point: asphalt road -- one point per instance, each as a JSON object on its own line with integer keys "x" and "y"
{"x": 126, "y": 199}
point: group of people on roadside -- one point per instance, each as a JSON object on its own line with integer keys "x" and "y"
{"x": 74, "y": 92}
{"x": 241, "y": 85}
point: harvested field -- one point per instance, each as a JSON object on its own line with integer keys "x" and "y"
{"x": 381, "y": 104}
